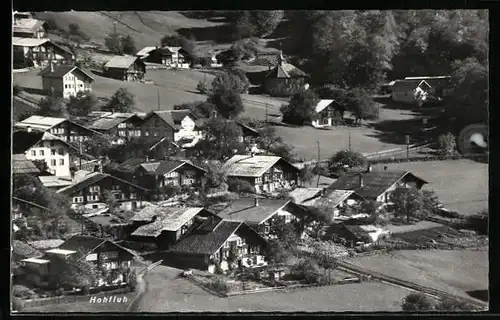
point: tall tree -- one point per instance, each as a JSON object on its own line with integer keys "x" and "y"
{"x": 221, "y": 141}
{"x": 228, "y": 102}
{"x": 52, "y": 107}
{"x": 407, "y": 202}
{"x": 121, "y": 101}
{"x": 128, "y": 45}
{"x": 258, "y": 22}
{"x": 82, "y": 104}
{"x": 301, "y": 108}
{"x": 344, "y": 160}
{"x": 113, "y": 43}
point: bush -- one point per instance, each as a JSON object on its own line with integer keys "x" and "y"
{"x": 23, "y": 292}
{"x": 447, "y": 144}
{"x": 448, "y": 304}
{"x": 306, "y": 270}
{"x": 417, "y": 302}
{"x": 17, "y": 304}
{"x": 240, "y": 186}
{"x": 219, "y": 285}
{"x": 202, "y": 87}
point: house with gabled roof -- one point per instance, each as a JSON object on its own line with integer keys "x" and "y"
{"x": 174, "y": 57}
{"x": 411, "y": 91}
{"x": 210, "y": 244}
{"x": 123, "y": 126}
{"x": 376, "y": 185}
{"x": 326, "y": 111}
{"x": 265, "y": 173}
{"x": 89, "y": 192}
{"x": 284, "y": 79}
{"x": 57, "y": 153}
{"x": 66, "y": 80}
{"x": 165, "y": 225}
{"x": 126, "y": 68}
{"x": 65, "y": 129}
{"x": 29, "y": 52}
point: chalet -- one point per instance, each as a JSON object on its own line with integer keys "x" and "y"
{"x": 88, "y": 192}
{"x": 157, "y": 174}
{"x": 114, "y": 260}
{"x": 439, "y": 84}
{"x": 21, "y": 165}
{"x": 174, "y": 57}
{"x": 377, "y": 186}
{"x": 123, "y": 126}
{"x": 266, "y": 173}
{"x": 209, "y": 245}
{"x": 28, "y": 27}
{"x": 259, "y": 213}
{"x": 174, "y": 124}
{"x": 163, "y": 226}
{"x": 65, "y": 129}
{"x": 28, "y": 52}
{"x": 126, "y": 68}
{"x": 284, "y": 78}
{"x": 326, "y": 111}
{"x": 414, "y": 91}
{"x": 334, "y": 202}
{"x": 57, "y": 153}
{"x": 65, "y": 80}
{"x": 354, "y": 234}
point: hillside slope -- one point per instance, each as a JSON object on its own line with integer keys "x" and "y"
{"x": 145, "y": 27}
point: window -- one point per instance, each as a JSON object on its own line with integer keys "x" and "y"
{"x": 109, "y": 255}
{"x": 132, "y": 195}
{"x": 121, "y": 133}
{"x": 118, "y": 196}
{"x": 53, "y": 152}
{"x": 33, "y": 153}
{"x": 61, "y": 162}
{"x": 116, "y": 187}
{"x": 41, "y": 153}
{"x": 80, "y": 85}
{"x": 122, "y": 125}
{"x": 65, "y": 86}
{"x": 61, "y": 151}
{"x": 94, "y": 189}
{"x": 91, "y": 257}
{"x": 146, "y": 133}
{"x": 53, "y": 162}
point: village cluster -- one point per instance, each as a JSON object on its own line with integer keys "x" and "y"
{"x": 159, "y": 203}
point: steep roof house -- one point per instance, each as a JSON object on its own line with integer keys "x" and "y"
{"x": 89, "y": 192}
{"x": 212, "y": 241}
{"x": 67, "y": 130}
{"x": 126, "y": 68}
{"x": 265, "y": 173}
{"x": 121, "y": 125}
{"x": 284, "y": 78}
{"x": 326, "y": 111}
{"x": 66, "y": 80}
{"x": 164, "y": 226}
{"x": 28, "y": 27}
{"x": 377, "y": 186}
{"x": 29, "y": 52}
{"x": 259, "y": 213}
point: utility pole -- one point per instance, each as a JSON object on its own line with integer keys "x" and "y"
{"x": 317, "y": 182}
{"x": 266, "y": 113}
{"x": 407, "y": 140}
{"x": 158, "y": 96}
{"x": 349, "y": 141}
{"x": 80, "y": 157}
{"x": 114, "y": 27}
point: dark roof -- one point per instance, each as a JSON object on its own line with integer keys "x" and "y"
{"x": 167, "y": 166}
{"x": 285, "y": 70}
{"x": 130, "y": 165}
{"x": 23, "y": 140}
{"x": 206, "y": 243}
{"x": 20, "y": 164}
{"x": 107, "y": 123}
{"x": 92, "y": 179}
{"x": 174, "y": 117}
{"x": 244, "y": 209}
{"x": 375, "y": 183}
{"x": 87, "y": 244}
{"x": 61, "y": 70}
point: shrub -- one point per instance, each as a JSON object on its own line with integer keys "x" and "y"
{"x": 306, "y": 270}
{"x": 417, "y": 302}
{"x": 219, "y": 285}
{"x": 17, "y": 304}
{"x": 448, "y": 304}
{"x": 23, "y": 292}
{"x": 447, "y": 144}
{"x": 132, "y": 280}
{"x": 240, "y": 186}
{"x": 202, "y": 87}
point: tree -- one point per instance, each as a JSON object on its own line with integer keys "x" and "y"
{"x": 361, "y": 105}
{"x": 52, "y": 107}
{"x": 415, "y": 302}
{"x": 448, "y": 304}
{"x": 228, "y": 102}
{"x": 430, "y": 202}
{"x": 234, "y": 80}
{"x": 128, "y": 45}
{"x": 41, "y": 165}
{"x": 82, "y": 104}
{"x": 113, "y": 43}
{"x": 407, "y": 202}
{"x": 268, "y": 137}
{"x": 110, "y": 201}
{"x": 221, "y": 141}
{"x": 216, "y": 175}
{"x": 284, "y": 232}
{"x": 202, "y": 87}
{"x": 301, "y": 108}
{"x": 306, "y": 174}
{"x": 245, "y": 48}
{"x": 344, "y": 160}
{"x": 98, "y": 146}
{"x": 258, "y": 22}
{"x": 121, "y": 101}
{"x": 73, "y": 272}
{"x": 284, "y": 151}
{"x": 447, "y": 144}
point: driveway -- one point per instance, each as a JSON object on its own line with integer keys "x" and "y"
{"x": 168, "y": 293}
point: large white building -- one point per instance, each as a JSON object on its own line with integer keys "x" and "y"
{"x": 66, "y": 80}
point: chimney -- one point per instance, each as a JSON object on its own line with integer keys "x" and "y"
{"x": 369, "y": 168}
{"x": 256, "y": 202}
{"x": 360, "y": 178}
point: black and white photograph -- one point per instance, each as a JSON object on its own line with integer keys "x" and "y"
{"x": 242, "y": 161}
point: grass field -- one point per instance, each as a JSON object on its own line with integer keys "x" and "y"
{"x": 455, "y": 272}
{"x": 461, "y": 185}
{"x": 167, "y": 293}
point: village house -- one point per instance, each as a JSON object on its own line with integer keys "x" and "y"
{"x": 284, "y": 79}
{"x": 21, "y": 165}
{"x": 157, "y": 174}
{"x": 122, "y": 126}
{"x": 174, "y": 57}
{"x": 126, "y": 68}
{"x": 29, "y": 52}
{"x": 211, "y": 243}
{"x": 65, "y": 80}
{"x": 377, "y": 186}
{"x": 410, "y": 91}
{"x": 162, "y": 226}
{"x": 88, "y": 192}
{"x": 25, "y": 27}
{"x": 65, "y": 129}
{"x": 355, "y": 234}
{"x": 43, "y": 146}
{"x": 327, "y": 110}
{"x": 265, "y": 173}
{"x": 114, "y": 260}
{"x": 259, "y": 213}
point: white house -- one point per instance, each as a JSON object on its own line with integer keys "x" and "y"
{"x": 325, "y": 112}
{"x": 188, "y": 131}
{"x": 174, "y": 57}
{"x": 66, "y": 80}
{"x": 410, "y": 91}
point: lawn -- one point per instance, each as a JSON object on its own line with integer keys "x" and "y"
{"x": 86, "y": 306}
{"x": 184, "y": 296}
{"x": 461, "y": 185}
{"x": 455, "y": 272}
